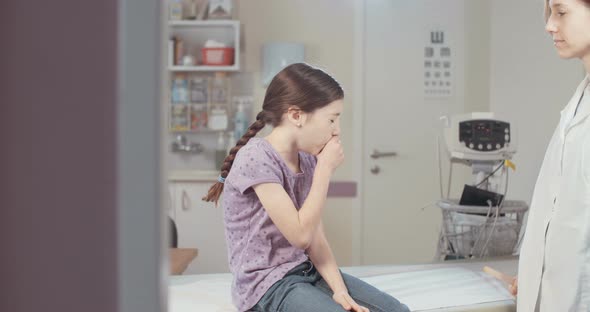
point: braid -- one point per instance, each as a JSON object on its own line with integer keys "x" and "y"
{"x": 216, "y": 189}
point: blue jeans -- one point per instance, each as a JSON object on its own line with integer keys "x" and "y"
{"x": 304, "y": 290}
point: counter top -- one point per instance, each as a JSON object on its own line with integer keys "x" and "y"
{"x": 193, "y": 176}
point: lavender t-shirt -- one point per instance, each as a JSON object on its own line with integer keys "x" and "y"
{"x": 258, "y": 253}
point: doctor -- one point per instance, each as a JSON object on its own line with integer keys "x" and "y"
{"x": 554, "y": 266}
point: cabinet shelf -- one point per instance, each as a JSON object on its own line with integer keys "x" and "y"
{"x": 195, "y": 34}
{"x": 204, "y": 23}
{"x": 197, "y": 131}
{"x": 191, "y": 36}
{"x": 203, "y": 68}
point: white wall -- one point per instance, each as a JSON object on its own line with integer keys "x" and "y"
{"x": 528, "y": 84}
{"x": 477, "y": 55}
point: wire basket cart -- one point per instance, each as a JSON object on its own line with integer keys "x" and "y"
{"x": 479, "y": 231}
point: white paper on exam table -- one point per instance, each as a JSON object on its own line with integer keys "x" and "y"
{"x": 441, "y": 288}
{"x": 210, "y": 294}
{"x": 420, "y": 290}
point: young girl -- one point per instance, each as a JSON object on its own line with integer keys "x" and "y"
{"x": 274, "y": 191}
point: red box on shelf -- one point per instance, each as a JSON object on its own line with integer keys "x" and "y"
{"x": 218, "y": 56}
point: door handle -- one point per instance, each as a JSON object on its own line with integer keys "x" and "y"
{"x": 171, "y": 207}
{"x": 377, "y": 154}
{"x": 185, "y": 201}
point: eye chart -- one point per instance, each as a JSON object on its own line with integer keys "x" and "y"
{"x": 438, "y": 69}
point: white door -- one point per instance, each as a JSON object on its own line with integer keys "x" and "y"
{"x": 399, "y": 118}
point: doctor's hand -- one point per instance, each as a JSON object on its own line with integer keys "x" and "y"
{"x": 514, "y": 287}
{"x": 344, "y": 299}
{"x": 512, "y": 281}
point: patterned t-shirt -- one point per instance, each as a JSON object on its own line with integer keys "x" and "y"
{"x": 258, "y": 253}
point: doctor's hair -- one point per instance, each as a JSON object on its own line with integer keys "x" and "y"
{"x": 301, "y": 85}
{"x": 548, "y": 8}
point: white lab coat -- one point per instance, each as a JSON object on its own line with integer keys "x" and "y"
{"x": 555, "y": 253}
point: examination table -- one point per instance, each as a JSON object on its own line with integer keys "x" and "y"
{"x": 456, "y": 285}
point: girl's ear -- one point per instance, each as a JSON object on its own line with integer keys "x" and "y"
{"x": 296, "y": 116}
